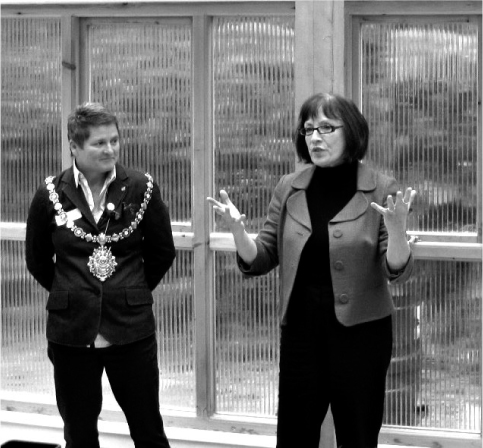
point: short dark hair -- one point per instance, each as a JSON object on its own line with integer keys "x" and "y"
{"x": 356, "y": 130}
{"x": 84, "y": 117}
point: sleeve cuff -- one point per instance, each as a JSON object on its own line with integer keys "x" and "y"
{"x": 400, "y": 275}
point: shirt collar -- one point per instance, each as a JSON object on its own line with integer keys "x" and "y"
{"x": 78, "y": 175}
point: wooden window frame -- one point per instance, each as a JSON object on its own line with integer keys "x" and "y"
{"x": 323, "y": 29}
{"x": 431, "y": 245}
{"x": 202, "y": 242}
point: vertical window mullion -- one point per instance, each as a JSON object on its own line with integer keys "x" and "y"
{"x": 71, "y": 68}
{"x": 202, "y": 187}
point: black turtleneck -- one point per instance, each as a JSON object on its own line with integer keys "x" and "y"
{"x": 329, "y": 191}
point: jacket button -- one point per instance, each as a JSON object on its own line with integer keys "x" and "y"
{"x": 337, "y": 233}
{"x": 343, "y": 298}
{"x": 339, "y": 265}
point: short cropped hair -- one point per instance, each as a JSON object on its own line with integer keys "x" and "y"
{"x": 84, "y": 117}
{"x": 356, "y": 130}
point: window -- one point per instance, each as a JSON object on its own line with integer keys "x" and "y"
{"x": 31, "y": 147}
{"x": 230, "y": 105}
{"x": 419, "y": 90}
{"x": 253, "y": 84}
{"x": 206, "y": 94}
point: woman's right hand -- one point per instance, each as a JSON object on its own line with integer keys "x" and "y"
{"x": 245, "y": 246}
{"x": 229, "y": 213}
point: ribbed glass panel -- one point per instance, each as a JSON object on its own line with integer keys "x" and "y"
{"x": 142, "y": 72}
{"x": 175, "y": 325}
{"x": 247, "y": 340}
{"x": 25, "y": 366}
{"x": 434, "y": 379}
{"x": 420, "y": 97}
{"x": 253, "y": 82}
{"x": 31, "y": 116}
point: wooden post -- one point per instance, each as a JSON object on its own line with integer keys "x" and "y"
{"x": 202, "y": 255}
{"x": 70, "y": 78}
{"x": 319, "y": 46}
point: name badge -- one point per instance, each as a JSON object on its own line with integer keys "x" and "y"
{"x": 66, "y": 217}
{"x": 74, "y": 214}
{"x": 60, "y": 220}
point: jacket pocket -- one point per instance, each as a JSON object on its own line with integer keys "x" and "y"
{"x": 139, "y": 297}
{"x": 58, "y": 300}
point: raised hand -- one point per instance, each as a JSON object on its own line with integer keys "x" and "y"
{"x": 229, "y": 213}
{"x": 235, "y": 221}
{"x": 396, "y": 213}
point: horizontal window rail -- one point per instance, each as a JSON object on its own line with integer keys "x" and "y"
{"x": 422, "y": 249}
{"x": 428, "y": 246}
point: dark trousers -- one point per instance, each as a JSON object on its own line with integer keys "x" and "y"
{"x": 323, "y": 363}
{"x": 133, "y": 374}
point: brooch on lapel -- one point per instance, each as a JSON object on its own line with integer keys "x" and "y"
{"x": 112, "y": 212}
{"x": 131, "y": 209}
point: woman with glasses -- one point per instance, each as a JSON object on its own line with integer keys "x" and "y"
{"x": 337, "y": 228}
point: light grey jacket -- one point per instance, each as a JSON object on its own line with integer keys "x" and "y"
{"x": 357, "y": 245}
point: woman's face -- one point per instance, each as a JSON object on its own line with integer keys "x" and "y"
{"x": 325, "y": 149}
{"x": 100, "y": 151}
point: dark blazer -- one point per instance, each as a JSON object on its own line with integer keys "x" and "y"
{"x": 80, "y": 306}
{"x": 357, "y": 245}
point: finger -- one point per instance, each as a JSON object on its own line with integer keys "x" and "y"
{"x": 223, "y": 211}
{"x": 407, "y": 195}
{"x": 378, "y": 208}
{"x": 215, "y": 203}
{"x": 412, "y": 196}
{"x": 390, "y": 203}
{"x": 219, "y": 209}
{"x": 399, "y": 197}
{"x": 224, "y": 196}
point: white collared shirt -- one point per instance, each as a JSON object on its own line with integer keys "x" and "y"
{"x": 80, "y": 179}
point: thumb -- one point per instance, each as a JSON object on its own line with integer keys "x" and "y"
{"x": 224, "y": 196}
{"x": 377, "y": 207}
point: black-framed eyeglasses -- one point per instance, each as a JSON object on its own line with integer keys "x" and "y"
{"x": 322, "y": 129}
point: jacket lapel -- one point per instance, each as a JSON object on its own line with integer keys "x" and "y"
{"x": 353, "y": 209}
{"x": 297, "y": 203}
{"x": 116, "y": 192}
{"x": 359, "y": 203}
{"x": 76, "y": 196}
{"x": 297, "y": 206}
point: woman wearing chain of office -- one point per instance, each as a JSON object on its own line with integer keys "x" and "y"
{"x": 99, "y": 240}
{"x": 337, "y": 228}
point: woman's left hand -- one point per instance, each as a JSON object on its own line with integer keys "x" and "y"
{"x": 396, "y": 213}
